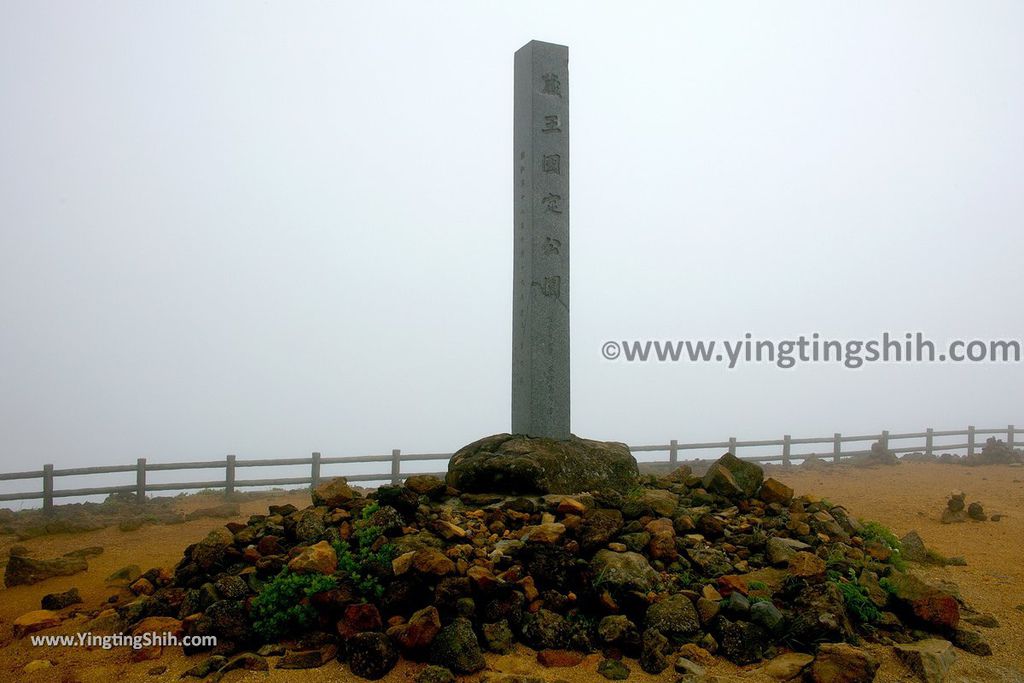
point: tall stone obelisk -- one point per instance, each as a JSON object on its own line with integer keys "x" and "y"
{"x": 540, "y": 307}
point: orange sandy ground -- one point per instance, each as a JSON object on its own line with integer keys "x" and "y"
{"x": 904, "y": 497}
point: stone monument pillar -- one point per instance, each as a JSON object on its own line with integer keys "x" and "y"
{"x": 540, "y": 310}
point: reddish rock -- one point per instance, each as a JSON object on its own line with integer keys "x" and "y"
{"x": 559, "y": 658}
{"x": 269, "y": 545}
{"x": 482, "y": 578}
{"x": 163, "y": 627}
{"x": 359, "y": 619}
{"x": 662, "y": 545}
{"x": 36, "y": 620}
{"x": 432, "y": 561}
{"x": 931, "y": 605}
{"x": 419, "y": 632}
{"x": 529, "y": 588}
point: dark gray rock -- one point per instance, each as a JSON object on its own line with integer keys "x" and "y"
{"x": 371, "y": 654}
{"x": 546, "y": 630}
{"x": 613, "y": 670}
{"x": 457, "y": 648}
{"x": 435, "y": 674}
{"x": 675, "y": 617}
{"x": 731, "y": 476}
{"x": 599, "y": 526}
{"x": 741, "y": 642}
{"x": 654, "y": 651}
{"x": 58, "y": 601}
{"x": 767, "y": 615}
{"x": 711, "y": 561}
{"x": 623, "y": 571}
{"x": 617, "y": 631}
{"x": 519, "y": 464}
{"x": 497, "y": 636}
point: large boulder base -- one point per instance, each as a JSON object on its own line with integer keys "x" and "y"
{"x": 518, "y": 464}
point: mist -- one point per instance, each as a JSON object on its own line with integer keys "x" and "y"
{"x": 274, "y": 229}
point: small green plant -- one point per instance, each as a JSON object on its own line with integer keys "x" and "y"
{"x": 635, "y": 492}
{"x": 876, "y": 531}
{"x": 754, "y": 599}
{"x": 757, "y": 586}
{"x": 684, "y": 577}
{"x": 359, "y": 563}
{"x": 282, "y": 607}
{"x": 856, "y": 597}
{"x": 887, "y": 585}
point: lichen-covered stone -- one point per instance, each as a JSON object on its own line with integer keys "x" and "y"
{"x": 457, "y": 648}
{"x": 370, "y": 654}
{"x": 520, "y": 464}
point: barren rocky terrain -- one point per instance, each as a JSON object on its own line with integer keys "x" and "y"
{"x": 904, "y": 497}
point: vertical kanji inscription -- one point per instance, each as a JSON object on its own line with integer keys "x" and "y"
{"x": 540, "y": 317}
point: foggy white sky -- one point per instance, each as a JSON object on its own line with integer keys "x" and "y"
{"x": 272, "y": 228}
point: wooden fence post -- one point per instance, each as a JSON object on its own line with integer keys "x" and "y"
{"x": 837, "y": 448}
{"x": 1009, "y": 436}
{"x": 229, "y": 476}
{"x": 314, "y": 471}
{"x": 970, "y": 440}
{"x": 396, "y": 466}
{"x": 929, "y": 442}
{"x": 673, "y": 452}
{"x": 785, "y": 450}
{"x": 48, "y": 488}
{"x": 732, "y": 445}
{"x": 140, "y": 480}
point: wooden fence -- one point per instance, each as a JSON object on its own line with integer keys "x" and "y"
{"x": 924, "y": 443}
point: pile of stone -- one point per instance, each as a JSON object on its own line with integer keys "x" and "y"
{"x": 879, "y": 454}
{"x": 957, "y": 510}
{"x": 655, "y": 573}
{"x": 994, "y": 452}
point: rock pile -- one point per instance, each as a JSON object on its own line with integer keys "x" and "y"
{"x": 666, "y": 573}
{"x": 994, "y": 452}
{"x": 957, "y": 510}
{"x": 879, "y": 454}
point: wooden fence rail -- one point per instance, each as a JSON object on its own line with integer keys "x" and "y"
{"x": 316, "y": 461}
